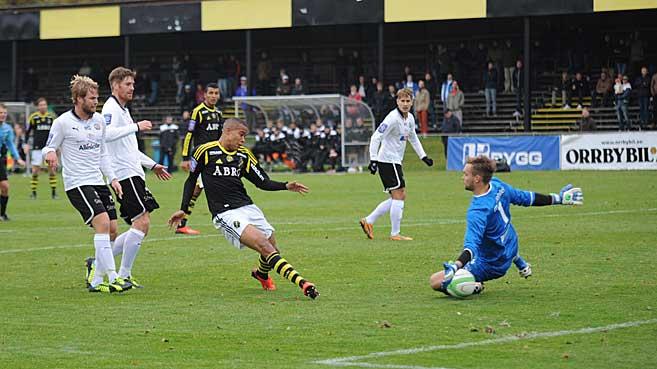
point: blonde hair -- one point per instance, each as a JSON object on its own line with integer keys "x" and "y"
{"x": 405, "y": 92}
{"x": 80, "y": 86}
{"x": 118, "y": 74}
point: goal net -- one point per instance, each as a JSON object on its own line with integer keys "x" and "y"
{"x": 312, "y": 120}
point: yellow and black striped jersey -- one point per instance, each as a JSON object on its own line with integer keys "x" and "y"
{"x": 204, "y": 126}
{"x": 39, "y": 125}
{"x": 222, "y": 173}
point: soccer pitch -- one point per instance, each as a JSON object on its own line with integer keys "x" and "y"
{"x": 591, "y": 303}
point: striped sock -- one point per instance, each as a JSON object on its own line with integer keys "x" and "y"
{"x": 192, "y": 203}
{"x": 285, "y": 269}
{"x": 53, "y": 183}
{"x": 263, "y": 267}
{"x": 34, "y": 182}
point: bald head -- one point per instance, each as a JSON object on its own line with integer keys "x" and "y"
{"x": 233, "y": 134}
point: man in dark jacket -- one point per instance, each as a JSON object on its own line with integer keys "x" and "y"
{"x": 168, "y": 140}
{"x": 642, "y": 88}
{"x": 451, "y": 125}
{"x": 490, "y": 89}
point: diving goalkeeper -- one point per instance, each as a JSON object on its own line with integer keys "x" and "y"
{"x": 491, "y": 242}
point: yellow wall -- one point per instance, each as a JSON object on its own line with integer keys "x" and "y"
{"x": 245, "y": 14}
{"x": 98, "y": 21}
{"x": 420, "y": 10}
{"x": 609, "y": 5}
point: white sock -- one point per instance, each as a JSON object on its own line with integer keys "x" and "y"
{"x": 381, "y": 209}
{"x": 104, "y": 259}
{"x": 132, "y": 244}
{"x": 396, "y": 213}
{"x": 119, "y": 243}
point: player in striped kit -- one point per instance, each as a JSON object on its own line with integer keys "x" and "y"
{"x": 387, "y": 147}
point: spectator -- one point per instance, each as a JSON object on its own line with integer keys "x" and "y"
{"x": 379, "y": 101}
{"x": 490, "y": 89}
{"x": 463, "y": 58}
{"x": 509, "y": 58}
{"x": 480, "y": 56}
{"x": 455, "y": 102}
{"x": 518, "y": 85}
{"x": 444, "y": 60}
{"x": 361, "y": 87}
{"x": 355, "y": 65}
{"x": 422, "y": 108}
{"x": 154, "y": 71}
{"x": 353, "y": 93}
{"x": 176, "y": 68}
{"x": 31, "y": 84}
{"x": 141, "y": 88}
{"x": 445, "y": 90}
{"x": 623, "y": 89}
{"x": 450, "y": 126}
{"x": 620, "y": 55}
{"x": 642, "y": 87}
{"x": 565, "y": 86}
{"x": 220, "y": 71}
{"x": 636, "y": 51}
{"x": 284, "y": 87}
{"x": 85, "y": 69}
{"x": 184, "y": 124}
{"x": 495, "y": 54}
{"x": 653, "y": 91}
{"x": 602, "y": 88}
{"x": 579, "y": 89}
{"x": 263, "y": 70}
{"x": 298, "y": 88}
{"x": 199, "y": 96}
{"x": 371, "y": 90}
{"x": 188, "y": 100}
{"x": 587, "y": 123}
{"x": 233, "y": 70}
{"x": 411, "y": 84}
{"x": 341, "y": 69}
{"x": 430, "y": 83}
{"x": 390, "y": 100}
{"x": 168, "y": 141}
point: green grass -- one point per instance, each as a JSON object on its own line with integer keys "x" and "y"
{"x": 201, "y": 309}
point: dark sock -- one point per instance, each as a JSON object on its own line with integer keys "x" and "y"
{"x": 3, "y": 204}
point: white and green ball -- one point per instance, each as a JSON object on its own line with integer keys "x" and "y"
{"x": 462, "y": 285}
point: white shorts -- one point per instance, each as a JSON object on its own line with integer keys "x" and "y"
{"x": 232, "y": 223}
{"x": 36, "y": 158}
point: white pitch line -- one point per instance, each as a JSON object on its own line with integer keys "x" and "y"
{"x": 90, "y": 244}
{"x": 445, "y": 221}
{"x": 353, "y": 360}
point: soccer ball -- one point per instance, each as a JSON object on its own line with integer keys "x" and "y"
{"x": 463, "y": 284}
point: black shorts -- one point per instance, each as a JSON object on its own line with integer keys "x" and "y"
{"x": 91, "y": 201}
{"x": 137, "y": 199}
{"x": 392, "y": 176}
{"x": 3, "y": 168}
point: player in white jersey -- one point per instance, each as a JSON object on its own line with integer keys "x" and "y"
{"x": 80, "y": 135}
{"x": 387, "y": 147}
{"x": 127, "y": 161}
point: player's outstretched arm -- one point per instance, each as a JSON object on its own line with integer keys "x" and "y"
{"x": 297, "y": 187}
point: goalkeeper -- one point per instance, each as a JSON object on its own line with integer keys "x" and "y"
{"x": 491, "y": 242}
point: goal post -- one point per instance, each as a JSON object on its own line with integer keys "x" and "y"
{"x": 353, "y": 119}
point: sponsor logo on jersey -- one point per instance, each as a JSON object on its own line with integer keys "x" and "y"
{"x": 108, "y": 119}
{"x": 191, "y": 125}
{"x": 382, "y": 128}
{"x": 213, "y": 127}
{"x": 192, "y": 164}
{"x": 226, "y": 172}
{"x": 89, "y": 146}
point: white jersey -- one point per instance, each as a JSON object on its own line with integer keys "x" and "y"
{"x": 84, "y": 153}
{"x": 388, "y": 143}
{"x": 127, "y": 160}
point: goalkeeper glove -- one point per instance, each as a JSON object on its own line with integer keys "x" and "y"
{"x": 568, "y": 195}
{"x": 450, "y": 270}
{"x": 427, "y": 160}
{"x": 373, "y": 166}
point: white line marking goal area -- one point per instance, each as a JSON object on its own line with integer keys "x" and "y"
{"x": 360, "y": 361}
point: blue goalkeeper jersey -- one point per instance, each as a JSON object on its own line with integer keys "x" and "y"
{"x": 7, "y": 140}
{"x": 489, "y": 233}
